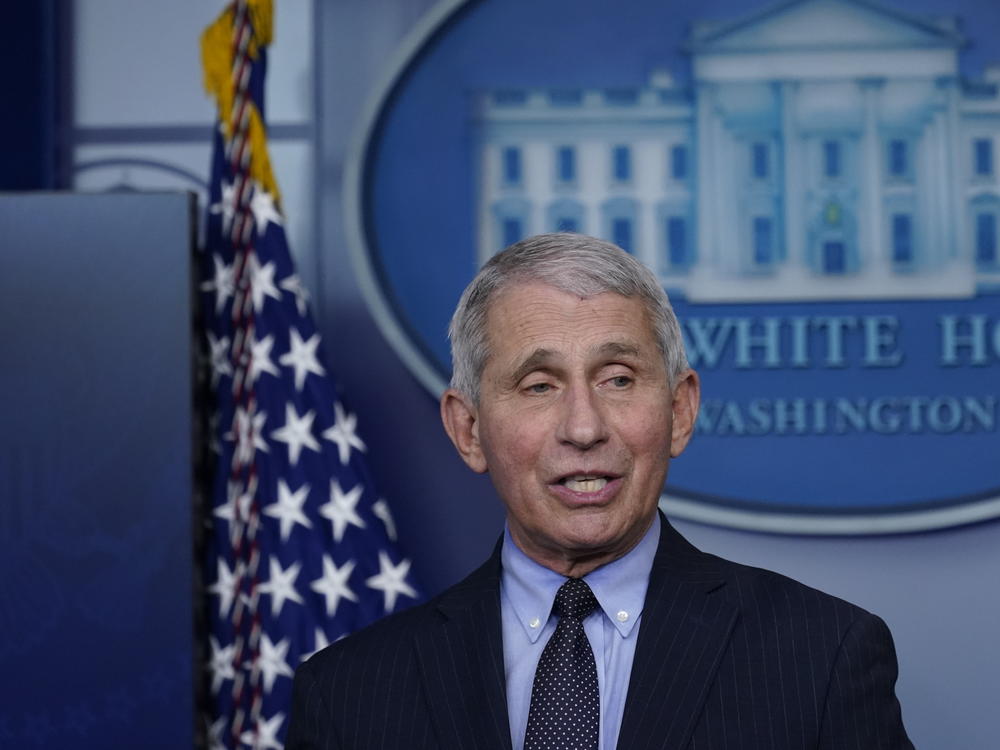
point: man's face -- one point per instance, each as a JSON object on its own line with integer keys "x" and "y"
{"x": 576, "y": 422}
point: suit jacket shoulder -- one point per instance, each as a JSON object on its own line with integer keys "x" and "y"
{"x": 753, "y": 659}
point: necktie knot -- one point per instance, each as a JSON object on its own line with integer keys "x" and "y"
{"x": 575, "y": 599}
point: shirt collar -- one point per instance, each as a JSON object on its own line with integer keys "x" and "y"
{"x": 620, "y": 586}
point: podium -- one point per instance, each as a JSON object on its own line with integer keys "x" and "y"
{"x": 97, "y": 645}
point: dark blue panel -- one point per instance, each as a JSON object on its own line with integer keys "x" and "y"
{"x": 28, "y": 131}
{"x": 95, "y": 472}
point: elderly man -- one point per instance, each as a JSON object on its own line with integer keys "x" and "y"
{"x": 594, "y": 624}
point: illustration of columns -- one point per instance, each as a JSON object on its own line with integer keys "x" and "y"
{"x": 944, "y": 230}
{"x": 928, "y": 219}
{"x": 793, "y": 209}
{"x": 707, "y": 190}
{"x": 953, "y": 175}
{"x": 873, "y": 248}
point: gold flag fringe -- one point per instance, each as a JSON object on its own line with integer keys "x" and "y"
{"x": 217, "y": 69}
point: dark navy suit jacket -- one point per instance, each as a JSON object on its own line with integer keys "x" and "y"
{"x": 728, "y": 658}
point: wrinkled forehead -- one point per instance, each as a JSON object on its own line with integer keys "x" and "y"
{"x": 524, "y": 314}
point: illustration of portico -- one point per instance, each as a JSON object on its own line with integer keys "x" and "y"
{"x": 826, "y": 149}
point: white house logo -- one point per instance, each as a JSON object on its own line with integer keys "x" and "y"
{"x": 816, "y": 185}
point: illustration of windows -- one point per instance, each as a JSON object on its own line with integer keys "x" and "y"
{"x": 902, "y": 239}
{"x": 833, "y": 247}
{"x": 621, "y": 97}
{"x": 985, "y": 225}
{"x": 510, "y": 97}
{"x": 898, "y": 159}
{"x": 678, "y": 244}
{"x": 620, "y": 222}
{"x": 511, "y": 221}
{"x": 831, "y": 159}
{"x": 986, "y": 238}
{"x": 510, "y": 158}
{"x": 678, "y": 162}
{"x": 565, "y": 216}
{"x": 834, "y": 256}
{"x": 566, "y": 97}
{"x": 513, "y": 230}
{"x": 621, "y": 163}
{"x": 982, "y": 156}
{"x": 566, "y": 164}
{"x": 760, "y": 167}
{"x": 763, "y": 240}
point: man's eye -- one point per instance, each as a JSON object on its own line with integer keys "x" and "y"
{"x": 539, "y": 388}
{"x": 621, "y": 381}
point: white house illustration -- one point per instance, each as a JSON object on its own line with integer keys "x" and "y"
{"x": 826, "y": 149}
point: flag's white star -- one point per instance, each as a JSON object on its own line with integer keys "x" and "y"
{"x": 221, "y": 663}
{"x": 281, "y": 585}
{"x": 260, "y": 359}
{"x": 248, "y": 427}
{"x": 292, "y": 283}
{"x": 319, "y": 644}
{"x": 223, "y": 283}
{"x": 265, "y": 736}
{"x": 273, "y": 661}
{"x": 302, "y": 356}
{"x": 296, "y": 432}
{"x": 342, "y": 433}
{"x": 224, "y": 586}
{"x": 391, "y": 580}
{"x": 288, "y": 509}
{"x": 220, "y": 357}
{"x": 215, "y": 730}
{"x": 264, "y": 210}
{"x": 342, "y": 509}
{"x": 333, "y": 584}
{"x": 226, "y": 205}
{"x": 381, "y": 511}
{"x": 262, "y": 282}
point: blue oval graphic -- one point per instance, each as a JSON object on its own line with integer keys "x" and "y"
{"x": 817, "y": 184}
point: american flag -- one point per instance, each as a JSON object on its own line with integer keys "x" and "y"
{"x": 301, "y": 550}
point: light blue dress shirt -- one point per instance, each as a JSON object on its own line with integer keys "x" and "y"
{"x": 527, "y": 592}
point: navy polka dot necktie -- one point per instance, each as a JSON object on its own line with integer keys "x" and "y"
{"x": 565, "y": 711}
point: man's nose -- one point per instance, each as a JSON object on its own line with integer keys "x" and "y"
{"x": 582, "y": 423}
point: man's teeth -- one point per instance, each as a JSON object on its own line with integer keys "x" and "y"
{"x": 585, "y": 484}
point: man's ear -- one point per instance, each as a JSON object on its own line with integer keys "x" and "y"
{"x": 687, "y": 396}
{"x": 461, "y": 421}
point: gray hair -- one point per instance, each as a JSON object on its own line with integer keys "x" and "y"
{"x": 573, "y": 263}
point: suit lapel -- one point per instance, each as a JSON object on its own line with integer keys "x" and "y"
{"x": 462, "y": 664}
{"x": 686, "y": 625}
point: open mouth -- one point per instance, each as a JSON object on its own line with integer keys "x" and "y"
{"x": 584, "y": 483}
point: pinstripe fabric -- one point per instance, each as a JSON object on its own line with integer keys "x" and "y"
{"x": 728, "y": 658}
